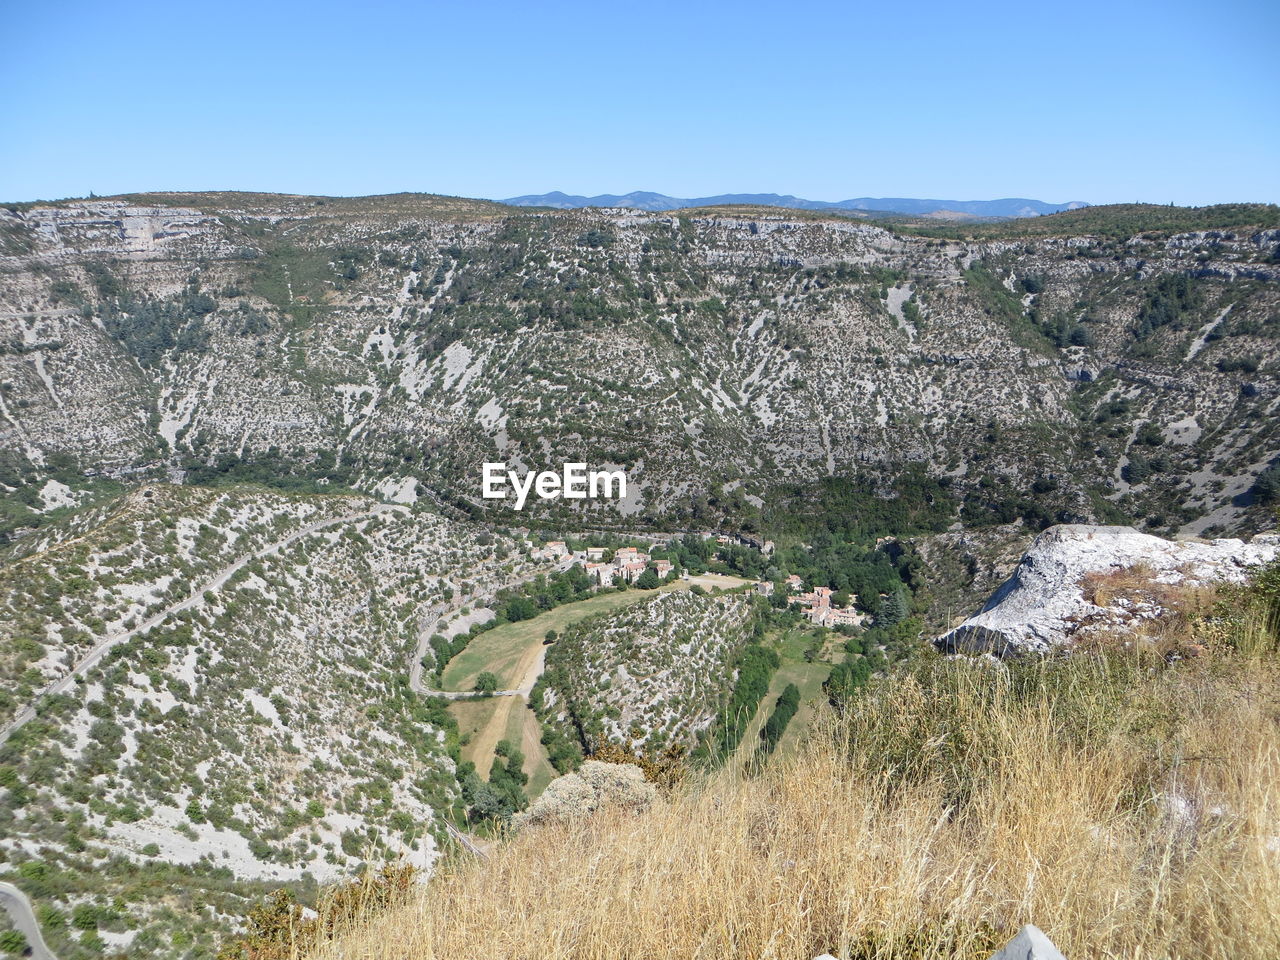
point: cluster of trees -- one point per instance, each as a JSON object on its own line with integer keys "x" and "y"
{"x": 649, "y": 579}
{"x": 596, "y": 238}
{"x": 1000, "y": 500}
{"x": 784, "y": 709}
{"x": 846, "y": 679}
{"x": 755, "y": 665}
{"x": 579, "y": 309}
{"x": 893, "y": 637}
{"x": 504, "y": 794}
{"x": 1172, "y": 296}
{"x": 444, "y": 649}
{"x": 563, "y": 751}
{"x": 1266, "y": 489}
{"x": 1239, "y": 364}
{"x": 689, "y": 552}
{"x": 542, "y": 593}
{"x": 149, "y": 328}
{"x": 996, "y": 300}
{"x": 495, "y": 800}
{"x": 859, "y": 508}
{"x": 271, "y": 468}
{"x": 1062, "y": 329}
{"x": 876, "y": 575}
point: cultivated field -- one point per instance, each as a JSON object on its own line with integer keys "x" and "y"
{"x": 515, "y": 652}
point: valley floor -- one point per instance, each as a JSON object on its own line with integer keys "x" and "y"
{"x": 516, "y": 654}
{"x": 808, "y": 678}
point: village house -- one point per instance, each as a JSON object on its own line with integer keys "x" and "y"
{"x": 602, "y": 573}
{"x": 628, "y": 563}
{"x": 595, "y": 553}
{"x": 632, "y": 569}
{"x": 820, "y": 597}
{"x": 765, "y": 588}
{"x": 794, "y": 583}
{"x": 818, "y": 609}
{"x": 554, "y": 550}
{"x": 838, "y": 616}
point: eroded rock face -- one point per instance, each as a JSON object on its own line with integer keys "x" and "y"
{"x": 580, "y": 794}
{"x": 1050, "y": 599}
{"x": 422, "y": 336}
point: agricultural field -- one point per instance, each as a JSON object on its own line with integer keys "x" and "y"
{"x": 515, "y": 653}
{"x": 807, "y": 674}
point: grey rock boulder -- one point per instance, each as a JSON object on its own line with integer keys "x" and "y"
{"x": 1030, "y": 943}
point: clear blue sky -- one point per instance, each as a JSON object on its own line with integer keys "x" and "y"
{"x": 1157, "y": 100}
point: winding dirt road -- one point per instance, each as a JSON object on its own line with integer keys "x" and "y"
{"x": 15, "y": 903}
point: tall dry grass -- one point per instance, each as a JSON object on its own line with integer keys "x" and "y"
{"x": 1128, "y": 808}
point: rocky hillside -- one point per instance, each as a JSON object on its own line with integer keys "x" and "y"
{"x": 655, "y": 672}
{"x": 1113, "y": 364}
{"x": 223, "y": 703}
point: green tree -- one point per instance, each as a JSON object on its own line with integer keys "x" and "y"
{"x": 893, "y": 609}
{"x": 755, "y": 665}
{"x": 13, "y": 942}
{"x": 521, "y": 608}
{"x": 1266, "y": 489}
{"x": 783, "y": 710}
{"x": 846, "y": 679}
{"x": 487, "y": 682}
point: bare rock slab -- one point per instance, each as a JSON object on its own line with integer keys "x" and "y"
{"x": 1030, "y": 943}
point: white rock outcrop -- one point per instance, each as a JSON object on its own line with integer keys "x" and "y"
{"x": 1043, "y": 604}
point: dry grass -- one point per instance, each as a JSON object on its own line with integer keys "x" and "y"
{"x": 1128, "y": 808}
{"x": 1175, "y": 618}
{"x": 1104, "y": 587}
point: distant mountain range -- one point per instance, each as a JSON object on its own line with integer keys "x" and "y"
{"x": 644, "y": 200}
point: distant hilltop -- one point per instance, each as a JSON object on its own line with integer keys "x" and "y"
{"x": 643, "y": 200}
